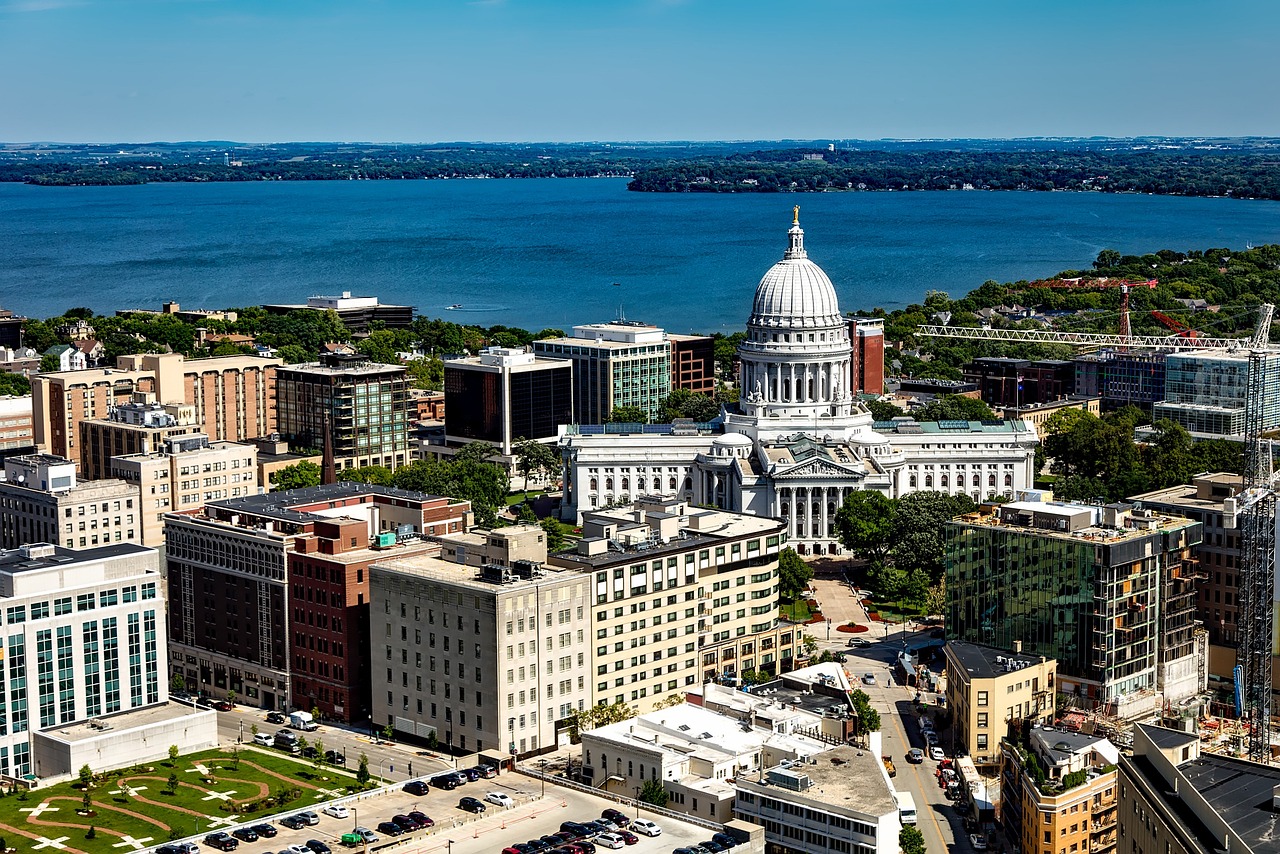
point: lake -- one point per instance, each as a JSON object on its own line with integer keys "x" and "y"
{"x": 539, "y": 253}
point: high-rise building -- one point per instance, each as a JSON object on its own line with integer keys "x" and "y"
{"x": 506, "y": 394}
{"x": 1205, "y": 390}
{"x": 42, "y": 501}
{"x": 1059, "y": 792}
{"x": 269, "y": 594}
{"x": 233, "y": 396}
{"x": 693, "y": 363}
{"x": 1005, "y": 381}
{"x": 1121, "y": 379}
{"x": 1177, "y": 798}
{"x": 183, "y": 473}
{"x": 682, "y": 595}
{"x": 1106, "y": 591}
{"x": 488, "y": 657}
{"x": 139, "y": 426}
{"x": 10, "y": 329}
{"x": 362, "y": 405}
{"x": 990, "y": 690}
{"x": 618, "y": 364}
{"x": 83, "y": 637}
{"x": 867, "y": 336}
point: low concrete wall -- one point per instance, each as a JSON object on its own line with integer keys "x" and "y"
{"x": 57, "y": 758}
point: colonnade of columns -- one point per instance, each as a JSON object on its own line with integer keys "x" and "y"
{"x": 792, "y": 382}
{"x": 810, "y": 511}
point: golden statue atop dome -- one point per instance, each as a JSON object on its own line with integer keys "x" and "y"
{"x": 795, "y": 215}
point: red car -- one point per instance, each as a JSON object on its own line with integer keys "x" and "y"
{"x": 627, "y": 836}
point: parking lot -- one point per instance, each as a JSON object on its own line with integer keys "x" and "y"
{"x": 460, "y": 832}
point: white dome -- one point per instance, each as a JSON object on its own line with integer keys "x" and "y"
{"x": 795, "y": 292}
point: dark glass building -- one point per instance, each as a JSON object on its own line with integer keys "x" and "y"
{"x": 506, "y": 394}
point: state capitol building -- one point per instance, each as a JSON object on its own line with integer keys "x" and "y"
{"x": 801, "y": 440}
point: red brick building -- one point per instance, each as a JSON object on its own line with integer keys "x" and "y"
{"x": 693, "y": 363}
{"x": 269, "y": 595}
{"x": 866, "y": 336}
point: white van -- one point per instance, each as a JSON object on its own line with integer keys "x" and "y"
{"x": 906, "y": 807}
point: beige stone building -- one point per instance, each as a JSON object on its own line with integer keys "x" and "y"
{"x": 1039, "y": 413}
{"x": 681, "y": 595}
{"x": 140, "y": 426}
{"x": 988, "y": 689}
{"x": 41, "y": 501}
{"x": 184, "y": 473}
{"x": 493, "y": 657}
{"x": 15, "y": 422}
{"x": 233, "y": 396}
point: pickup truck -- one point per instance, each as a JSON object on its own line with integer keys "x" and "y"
{"x": 888, "y": 766}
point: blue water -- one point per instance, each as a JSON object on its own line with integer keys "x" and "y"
{"x": 539, "y": 253}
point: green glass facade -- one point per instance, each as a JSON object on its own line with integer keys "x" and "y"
{"x": 1095, "y": 603}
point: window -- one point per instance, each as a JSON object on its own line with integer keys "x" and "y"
{"x": 982, "y": 698}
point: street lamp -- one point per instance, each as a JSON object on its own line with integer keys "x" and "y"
{"x": 542, "y": 766}
{"x": 637, "y": 788}
{"x": 240, "y": 738}
{"x": 828, "y": 628}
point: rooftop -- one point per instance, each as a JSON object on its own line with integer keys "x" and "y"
{"x": 47, "y": 555}
{"x": 123, "y": 722}
{"x": 844, "y": 778}
{"x": 1059, "y": 746}
{"x": 341, "y": 365}
{"x": 279, "y": 505}
{"x": 988, "y": 662}
{"x": 435, "y": 568}
{"x": 907, "y": 427}
{"x": 1064, "y": 520}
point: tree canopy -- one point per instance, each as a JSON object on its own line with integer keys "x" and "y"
{"x": 682, "y": 403}
{"x": 864, "y": 524}
{"x": 297, "y": 476}
{"x": 793, "y": 573}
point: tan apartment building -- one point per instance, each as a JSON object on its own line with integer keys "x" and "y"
{"x": 15, "y": 423}
{"x": 139, "y": 426}
{"x": 233, "y": 396}
{"x": 681, "y": 596}
{"x": 989, "y": 690}
{"x": 184, "y": 473}
{"x": 1066, "y": 800}
{"x": 492, "y": 656}
{"x": 1039, "y": 413}
{"x": 41, "y": 501}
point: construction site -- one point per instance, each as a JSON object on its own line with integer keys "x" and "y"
{"x": 1229, "y": 718}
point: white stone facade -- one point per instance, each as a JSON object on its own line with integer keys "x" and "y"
{"x": 802, "y": 442}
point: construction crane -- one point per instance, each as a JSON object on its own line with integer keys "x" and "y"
{"x": 1124, "y": 286}
{"x": 1253, "y": 510}
{"x": 1180, "y": 328}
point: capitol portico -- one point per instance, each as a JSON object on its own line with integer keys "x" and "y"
{"x": 801, "y": 441}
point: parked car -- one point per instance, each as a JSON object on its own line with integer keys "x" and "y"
{"x": 471, "y": 774}
{"x": 931, "y": 738}
{"x": 223, "y": 705}
{"x": 310, "y": 752}
{"x": 266, "y": 831}
{"x": 294, "y": 822}
{"x": 416, "y": 787}
{"x": 170, "y": 849}
{"x": 336, "y": 811}
{"x": 263, "y": 739}
{"x": 684, "y": 851}
{"x": 915, "y": 756}
{"x": 276, "y": 718}
{"x": 421, "y": 818}
{"x": 405, "y": 823}
{"x": 366, "y": 834}
{"x": 511, "y": 849}
{"x": 978, "y": 841}
{"x": 628, "y": 837}
{"x": 572, "y": 827}
{"x": 309, "y": 817}
{"x": 335, "y": 757}
{"x": 859, "y": 642}
{"x": 585, "y": 846}
{"x": 713, "y": 847}
{"x": 447, "y": 782}
{"x": 610, "y": 840}
{"x": 608, "y": 824}
{"x": 594, "y": 827}
{"x": 868, "y": 679}
{"x": 315, "y": 846}
{"x": 471, "y": 805}
{"x": 936, "y": 753}
{"x": 724, "y": 839}
{"x": 487, "y": 772}
{"x": 389, "y": 828}
{"x": 618, "y": 817}
{"x": 500, "y": 799}
{"x": 222, "y": 841}
{"x": 245, "y": 834}
{"x": 648, "y": 828}
{"x": 296, "y": 849}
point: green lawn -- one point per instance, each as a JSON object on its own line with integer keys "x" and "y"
{"x": 797, "y": 611}
{"x": 890, "y": 611}
{"x": 150, "y": 810}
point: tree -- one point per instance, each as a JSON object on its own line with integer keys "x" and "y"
{"x": 86, "y": 776}
{"x": 377, "y": 475}
{"x": 935, "y": 600}
{"x": 49, "y": 363}
{"x": 954, "y": 407}
{"x": 319, "y": 758}
{"x": 173, "y": 754}
{"x": 653, "y": 793}
{"x": 555, "y": 536}
{"x": 793, "y": 574}
{"x": 362, "y": 770}
{"x": 534, "y": 458}
{"x": 177, "y": 683}
{"x": 427, "y": 373}
{"x": 1107, "y": 259}
{"x": 292, "y": 354}
{"x": 682, "y": 403}
{"x": 919, "y": 525}
{"x": 172, "y": 784}
{"x": 628, "y": 415}
{"x": 297, "y": 476}
{"x": 864, "y": 524}
{"x": 882, "y": 410}
{"x": 911, "y": 840}
{"x": 253, "y": 729}
{"x": 670, "y": 700}
{"x": 231, "y": 697}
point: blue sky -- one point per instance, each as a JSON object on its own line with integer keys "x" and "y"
{"x": 514, "y": 70}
